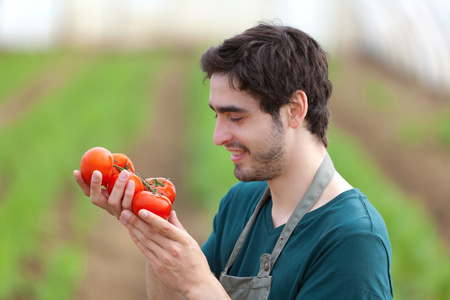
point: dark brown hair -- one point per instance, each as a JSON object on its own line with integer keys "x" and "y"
{"x": 271, "y": 62}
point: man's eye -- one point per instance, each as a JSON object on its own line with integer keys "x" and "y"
{"x": 235, "y": 120}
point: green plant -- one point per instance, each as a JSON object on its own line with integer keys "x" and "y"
{"x": 412, "y": 132}
{"x": 40, "y": 203}
{"x": 19, "y": 70}
{"x": 442, "y": 125}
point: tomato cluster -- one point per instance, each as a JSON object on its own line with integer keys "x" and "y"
{"x": 153, "y": 194}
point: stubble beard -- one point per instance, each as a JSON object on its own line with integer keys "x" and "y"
{"x": 267, "y": 158}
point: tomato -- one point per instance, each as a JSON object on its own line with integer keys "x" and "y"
{"x": 97, "y": 158}
{"x": 122, "y": 161}
{"x": 163, "y": 186}
{"x": 138, "y": 185}
{"x": 157, "y": 204}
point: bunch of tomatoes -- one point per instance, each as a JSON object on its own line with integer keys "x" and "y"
{"x": 153, "y": 194}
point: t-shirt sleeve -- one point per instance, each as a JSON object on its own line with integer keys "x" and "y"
{"x": 354, "y": 267}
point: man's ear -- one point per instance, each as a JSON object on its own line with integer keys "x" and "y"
{"x": 297, "y": 108}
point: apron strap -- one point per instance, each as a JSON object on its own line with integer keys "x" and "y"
{"x": 321, "y": 180}
{"x": 241, "y": 239}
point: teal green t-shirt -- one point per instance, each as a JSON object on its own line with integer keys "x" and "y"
{"x": 338, "y": 251}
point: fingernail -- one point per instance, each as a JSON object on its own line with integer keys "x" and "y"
{"x": 143, "y": 213}
{"x": 123, "y": 175}
{"x": 130, "y": 185}
{"x": 126, "y": 214}
{"x": 95, "y": 176}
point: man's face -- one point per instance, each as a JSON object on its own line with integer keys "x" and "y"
{"x": 255, "y": 140}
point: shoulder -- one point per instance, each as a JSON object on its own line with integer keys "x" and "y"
{"x": 350, "y": 224}
{"x": 351, "y": 244}
{"x": 351, "y": 212}
{"x": 362, "y": 216}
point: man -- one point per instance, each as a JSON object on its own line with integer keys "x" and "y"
{"x": 292, "y": 228}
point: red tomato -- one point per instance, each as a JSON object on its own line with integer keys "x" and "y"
{"x": 164, "y": 187}
{"x": 138, "y": 185}
{"x": 99, "y": 159}
{"x": 122, "y": 161}
{"x": 157, "y": 204}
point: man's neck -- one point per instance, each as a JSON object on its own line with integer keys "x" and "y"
{"x": 289, "y": 188}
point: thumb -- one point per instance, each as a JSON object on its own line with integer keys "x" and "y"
{"x": 173, "y": 219}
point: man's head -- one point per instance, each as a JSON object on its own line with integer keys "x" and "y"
{"x": 271, "y": 62}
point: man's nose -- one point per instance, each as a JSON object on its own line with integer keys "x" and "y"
{"x": 222, "y": 134}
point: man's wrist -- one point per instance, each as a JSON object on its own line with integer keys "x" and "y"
{"x": 208, "y": 289}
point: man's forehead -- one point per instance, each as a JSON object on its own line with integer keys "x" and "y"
{"x": 220, "y": 80}
{"x": 224, "y": 93}
{"x": 232, "y": 101}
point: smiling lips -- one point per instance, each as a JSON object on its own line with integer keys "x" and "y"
{"x": 238, "y": 151}
{"x": 237, "y": 155}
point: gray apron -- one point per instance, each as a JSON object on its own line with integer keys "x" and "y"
{"x": 259, "y": 287}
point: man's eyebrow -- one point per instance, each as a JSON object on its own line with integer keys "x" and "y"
{"x": 228, "y": 108}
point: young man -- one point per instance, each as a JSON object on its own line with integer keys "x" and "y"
{"x": 292, "y": 228}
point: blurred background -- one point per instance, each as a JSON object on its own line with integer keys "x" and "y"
{"x": 124, "y": 75}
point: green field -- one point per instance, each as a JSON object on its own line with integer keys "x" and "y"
{"x": 44, "y": 218}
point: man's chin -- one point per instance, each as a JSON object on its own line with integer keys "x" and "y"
{"x": 241, "y": 175}
{"x": 248, "y": 176}
{"x": 252, "y": 174}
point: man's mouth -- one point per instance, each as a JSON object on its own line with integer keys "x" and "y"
{"x": 237, "y": 155}
{"x": 238, "y": 151}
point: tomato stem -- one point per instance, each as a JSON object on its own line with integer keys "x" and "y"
{"x": 121, "y": 168}
{"x": 127, "y": 167}
{"x": 147, "y": 186}
{"x": 156, "y": 182}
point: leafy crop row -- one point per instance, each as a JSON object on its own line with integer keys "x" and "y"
{"x": 105, "y": 102}
{"x": 41, "y": 218}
